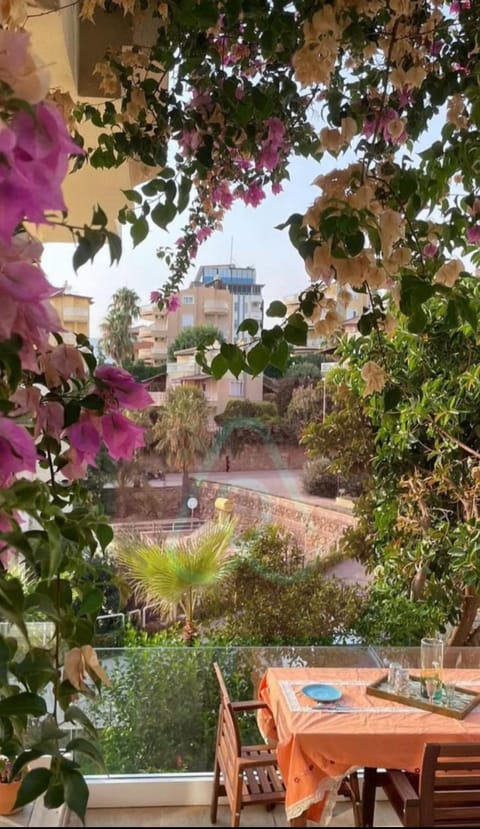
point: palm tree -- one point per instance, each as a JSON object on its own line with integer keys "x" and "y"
{"x": 173, "y": 575}
{"x": 117, "y": 339}
{"x": 181, "y": 430}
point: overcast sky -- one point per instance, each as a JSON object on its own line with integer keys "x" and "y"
{"x": 249, "y": 238}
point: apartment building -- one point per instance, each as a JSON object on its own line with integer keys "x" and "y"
{"x": 74, "y": 312}
{"x": 242, "y": 284}
{"x": 185, "y": 371}
{"x": 199, "y": 305}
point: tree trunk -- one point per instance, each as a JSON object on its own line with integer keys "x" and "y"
{"x": 185, "y": 485}
{"x": 470, "y": 606}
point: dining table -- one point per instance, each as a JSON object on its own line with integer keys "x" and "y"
{"x": 319, "y": 743}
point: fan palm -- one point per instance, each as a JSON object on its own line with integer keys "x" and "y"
{"x": 181, "y": 431}
{"x": 173, "y": 575}
{"x": 116, "y": 328}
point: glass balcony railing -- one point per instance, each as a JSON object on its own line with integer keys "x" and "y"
{"x": 160, "y": 716}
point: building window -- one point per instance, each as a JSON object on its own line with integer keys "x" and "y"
{"x": 188, "y": 299}
{"x": 187, "y": 320}
{"x": 236, "y": 388}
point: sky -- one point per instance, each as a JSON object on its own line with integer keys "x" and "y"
{"x": 249, "y": 238}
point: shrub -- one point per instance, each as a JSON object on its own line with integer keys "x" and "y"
{"x": 272, "y": 598}
{"x": 318, "y": 480}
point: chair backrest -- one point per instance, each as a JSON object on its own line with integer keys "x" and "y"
{"x": 228, "y": 734}
{"x": 450, "y": 785}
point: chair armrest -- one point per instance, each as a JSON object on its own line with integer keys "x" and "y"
{"x": 401, "y": 783}
{"x": 249, "y": 705}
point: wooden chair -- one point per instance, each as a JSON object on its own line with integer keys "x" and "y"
{"x": 445, "y": 793}
{"x": 249, "y": 774}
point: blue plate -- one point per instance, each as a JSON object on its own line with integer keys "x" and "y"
{"x": 322, "y": 693}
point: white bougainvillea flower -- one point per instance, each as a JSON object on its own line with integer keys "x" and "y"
{"x": 80, "y": 662}
{"x": 374, "y": 376}
{"x": 449, "y": 272}
{"x": 390, "y": 224}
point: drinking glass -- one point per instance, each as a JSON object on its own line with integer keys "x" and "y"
{"x": 431, "y": 665}
{"x": 431, "y": 686}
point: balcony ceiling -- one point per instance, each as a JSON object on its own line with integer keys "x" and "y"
{"x": 71, "y": 48}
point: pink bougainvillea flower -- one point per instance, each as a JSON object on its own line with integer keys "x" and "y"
{"x": 121, "y": 436}
{"x": 19, "y": 69}
{"x": 27, "y": 401}
{"x": 276, "y": 188}
{"x": 222, "y": 195}
{"x": 84, "y": 437}
{"x": 76, "y": 466}
{"x": 473, "y": 235}
{"x": 50, "y": 419}
{"x": 155, "y": 296}
{"x": 203, "y": 234}
{"x": 61, "y": 363}
{"x": 123, "y": 387}
{"x": 22, "y": 282}
{"x": 430, "y": 250}
{"x": 17, "y": 451}
{"x": 254, "y": 195}
{"x": 33, "y": 322}
{"x": 35, "y": 161}
{"x": 173, "y": 303}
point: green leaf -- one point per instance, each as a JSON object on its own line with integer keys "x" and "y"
{"x": 23, "y": 760}
{"x": 21, "y": 704}
{"x": 258, "y": 357}
{"x": 12, "y": 602}
{"x": 355, "y": 243}
{"x": 82, "y": 254}
{"x": 133, "y": 196}
{"x": 99, "y": 217}
{"x": 219, "y": 366}
{"x": 276, "y": 309}
{"x": 392, "y": 397}
{"x": 104, "y": 534}
{"x": 115, "y": 246}
{"x": 92, "y": 602}
{"x": 33, "y": 785}
{"x": 76, "y": 715}
{"x": 417, "y": 321}
{"x": 76, "y": 792}
{"x": 279, "y": 356}
{"x": 163, "y": 214}
{"x": 93, "y": 402}
{"x": 296, "y": 334}
{"x": 87, "y": 748}
{"x": 251, "y": 326}
{"x": 139, "y": 230}
{"x": 55, "y": 795}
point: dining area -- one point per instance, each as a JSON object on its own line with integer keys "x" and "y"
{"x": 406, "y": 729}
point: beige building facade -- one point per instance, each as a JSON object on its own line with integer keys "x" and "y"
{"x": 185, "y": 371}
{"x": 199, "y": 305}
{"x": 74, "y": 313}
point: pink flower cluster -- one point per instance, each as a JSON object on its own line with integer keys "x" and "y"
{"x": 24, "y": 294}
{"x": 35, "y": 149}
{"x": 273, "y": 145}
{"x": 171, "y": 303}
{"x": 388, "y": 124}
{"x": 34, "y": 154}
{"x": 120, "y": 436}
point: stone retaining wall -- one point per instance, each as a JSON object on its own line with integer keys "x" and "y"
{"x": 316, "y": 528}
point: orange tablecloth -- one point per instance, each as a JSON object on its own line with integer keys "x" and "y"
{"x": 318, "y": 747}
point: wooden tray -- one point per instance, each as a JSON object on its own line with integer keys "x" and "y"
{"x": 464, "y": 700}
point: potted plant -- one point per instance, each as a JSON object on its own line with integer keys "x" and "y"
{"x": 9, "y": 785}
